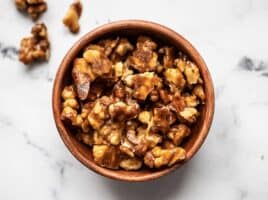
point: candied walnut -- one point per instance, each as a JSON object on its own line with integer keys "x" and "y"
{"x": 34, "y": 8}
{"x": 119, "y": 90}
{"x": 106, "y": 156}
{"x": 144, "y": 58}
{"x": 178, "y": 132}
{"x": 131, "y": 164}
{"x": 85, "y": 138}
{"x": 163, "y": 118}
{"x": 100, "y": 64}
{"x": 123, "y": 47}
{"x": 118, "y": 69}
{"x": 70, "y": 114}
{"x": 145, "y": 117}
{"x": 82, "y": 76}
{"x": 36, "y": 47}
{"x": 99, "y": 112}
{"x": 198, "y": 90}
{"x": 71, "y": 103}
{"x": 192, "y": 73}
{"x": 159, "y": 157}
{"x": 112, "y": 132}
{"x": 174, "y": 76}
{"x": 109, "y": 45}
{"x": 96, "y": 90}
{"x": 68, "y": 92}
{"x": 143, "y": 84}
{"x": 127, "y": 148}
{"x": 191, "y": 100}
{"x": 120, "y": 111}
{"x": 146, "y": 43}
{"x": 188, "y": 114}
{"x": 165, "y": 96}
{"x": 71, "y": 18}
{"x": 178, "y": 103}
{"x": 180, "y": 63}
{"x": 143, "y": 140}
{"x": 169, "y": 56}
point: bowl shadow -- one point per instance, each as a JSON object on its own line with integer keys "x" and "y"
{"x": 165, "y": 187}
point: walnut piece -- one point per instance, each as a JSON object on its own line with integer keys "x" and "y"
{"x": 106, "y": 156}
{"x": 178, "y": 132}
{"x": 34, "y": 8}
{"x": 159, "y": 157}
{"x": 37, "y": 47}
{"x": 131, "y": 164}
{"x": 71, "y": 18}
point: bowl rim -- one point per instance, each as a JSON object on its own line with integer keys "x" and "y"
{"x": 73, "y": 51}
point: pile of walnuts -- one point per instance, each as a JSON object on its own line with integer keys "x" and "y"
{"x": 133, "y": 104}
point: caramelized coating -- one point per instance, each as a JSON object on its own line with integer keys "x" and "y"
{"x": 34, "y": 8}
{"x": 106, "y": 156}
{"x": 131, "y": 164}
{"x": 143, "y": 84}
{"x": 178, "y": 132}
{"x": 159, "y": 157}
{"x": 133, "y": 104}
{"x": 71, "y": 18}
{"x": 36, "y": 47}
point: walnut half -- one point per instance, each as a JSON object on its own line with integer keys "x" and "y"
{"x": 36, "y": 47}
{"x": 34, "y": 8}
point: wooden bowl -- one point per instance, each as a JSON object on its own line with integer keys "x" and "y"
{"x": 132, "y": 28}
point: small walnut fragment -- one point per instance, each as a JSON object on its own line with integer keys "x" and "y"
{"x": 106, "y": 156}
{"x": 159, "y": 157}
{"x": 178, "y": 132}
{"x": 144, "y": 58}
{"x": 36, "y": 47}
{"x": 134, "y": 104}
{"x": 131, "y": 164}
{"x": 71, "y": 18}
{"x": 34, "y": 8}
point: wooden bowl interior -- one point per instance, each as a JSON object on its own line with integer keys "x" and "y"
{"x": 131, "y": 30}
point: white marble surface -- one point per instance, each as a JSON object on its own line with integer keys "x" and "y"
{"x": 232, "y": 36}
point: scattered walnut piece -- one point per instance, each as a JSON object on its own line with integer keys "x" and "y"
{"x": 133, "y": 104}
{"x": 37, "y": 47}
{"x": 71, "y": 18}
{"x": 34, "y": 8}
